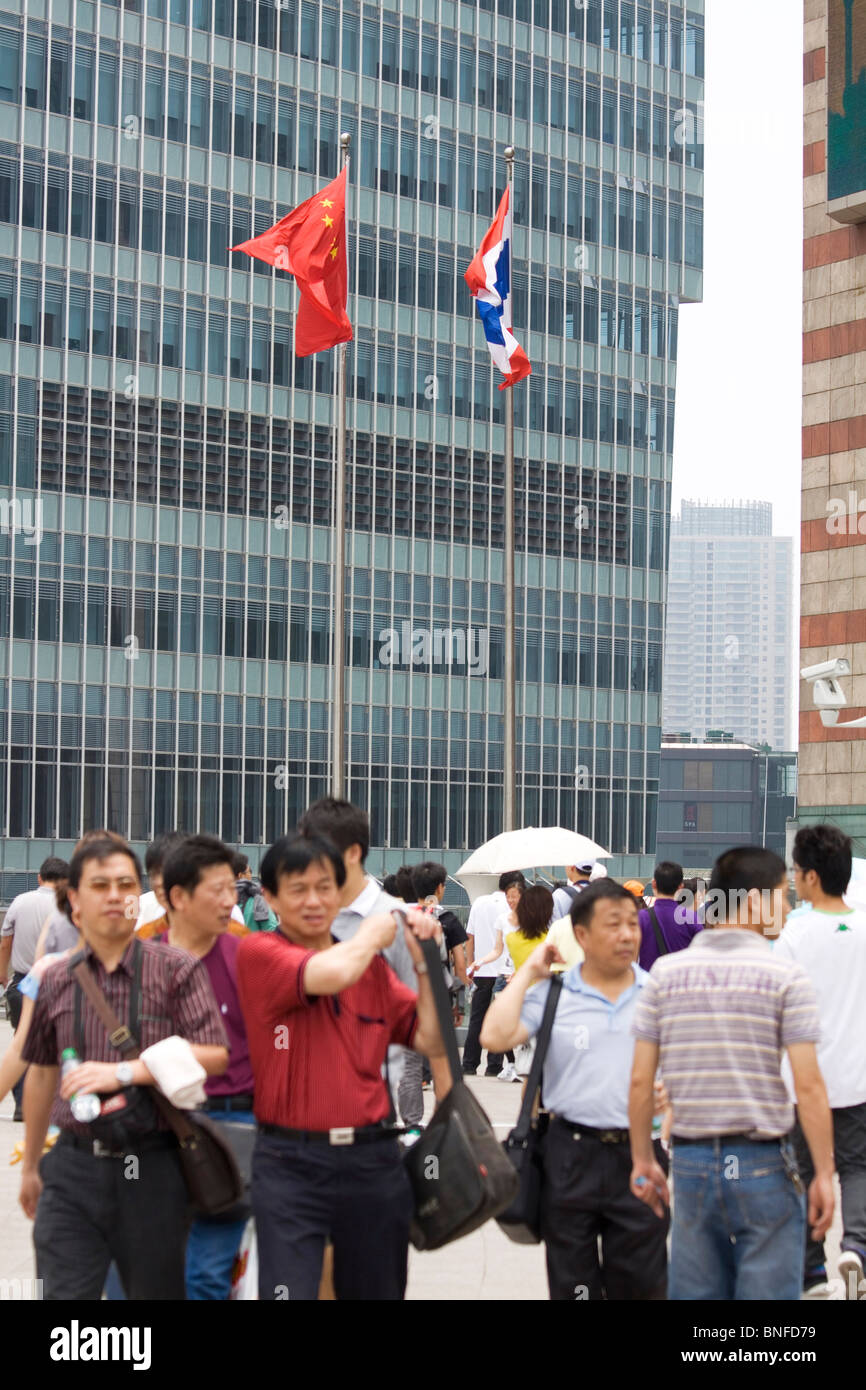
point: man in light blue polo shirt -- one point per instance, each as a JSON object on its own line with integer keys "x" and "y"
{"x": 587, "y": 1163}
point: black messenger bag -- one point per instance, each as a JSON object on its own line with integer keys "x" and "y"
{"x": 459, "y": 1174}
{"x": 521, "y": 1222}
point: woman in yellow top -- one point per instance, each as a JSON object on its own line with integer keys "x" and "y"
{"x": 532, "y": 914}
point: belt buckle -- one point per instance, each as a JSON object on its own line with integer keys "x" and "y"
{"x": 609, "y": 1136}
{"x": 341, "y": 1136}
{"x": 101, "y": 1150}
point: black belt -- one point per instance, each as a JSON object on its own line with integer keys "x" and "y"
{"x": 728, "y": 1139}
{"x": 606, "y": 1136}
{"x": 363, "y": 1134}
{"x": 241, "y": 1102}
{"x": 95, "y": 1147}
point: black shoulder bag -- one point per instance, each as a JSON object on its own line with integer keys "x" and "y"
{"x": 521, "y": 1222}
{"x": 459, "y": 1174}
{"x": 660, "y": 940}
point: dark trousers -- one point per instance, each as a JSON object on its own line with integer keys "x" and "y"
{"x": 586, "y": 1196}
{"x": 357, "y": 1196}
{"x": 481, "y": 1001}
{"x": 95, "y": 1210}
{"x": 15, "y": 1003}
{"x": 849, "y": 1142}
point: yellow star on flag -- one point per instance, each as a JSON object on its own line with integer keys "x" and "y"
{"x": 326, "y": 203}
{"x": 328, "y": 221}
{"x": 334, "y": 252}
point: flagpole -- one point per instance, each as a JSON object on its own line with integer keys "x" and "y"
{"x": 509, "y": 807}
{"x": 338, "y": 703}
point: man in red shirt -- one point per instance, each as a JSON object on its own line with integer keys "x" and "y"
{"x": 320, "y": 1016}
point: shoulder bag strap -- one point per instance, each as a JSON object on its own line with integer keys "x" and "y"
{"x": 120, "y": 1037}
{"x": 660, "y": 940}
{"x": 441, "y": 999}
{"x": 542, "y": 1043}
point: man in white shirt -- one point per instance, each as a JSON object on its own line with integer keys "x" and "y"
{"x": 830, "y": 943}
{"x": 578, "y": 879}
{"x": 22, "y": 927}
{"x": 481, "y": 929}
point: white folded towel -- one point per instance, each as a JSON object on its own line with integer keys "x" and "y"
{"x": 176, "y": 1072}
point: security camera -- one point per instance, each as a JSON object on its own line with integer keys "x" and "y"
{"x": 839, "y": 666}
{"x": 827, "y": 693}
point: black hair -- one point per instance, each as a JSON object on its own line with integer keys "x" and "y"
{"x": 736, "y": 873}
{"x": 293, "y": 854}
{"x": 427, "y": 877}
{"x": 584, "y": 904}
{"x": 389, "y": 885}
{"x": 405, "y": 881}
{"x": 240, "y": 863}
{"x": 827, "y": 850}
{"x": 51, "y": 870}
{"x": 667, "y": 876}
{"x": 160, "y": 848}
{"x": 184, "y": 865}
{"x": 338, "y": 821}
{"x": 513, "y": 876}
{"x": 534, "y": 911}
{"x": 693, "y": 886}
{"x": 100, "y": 849}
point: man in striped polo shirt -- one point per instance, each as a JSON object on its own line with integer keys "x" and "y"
{"x": 717, "y": 1018}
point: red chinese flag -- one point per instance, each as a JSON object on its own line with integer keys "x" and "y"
{"x": 310, "y": 243}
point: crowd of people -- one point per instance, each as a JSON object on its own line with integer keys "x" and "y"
{"x": 699, "y": 1046}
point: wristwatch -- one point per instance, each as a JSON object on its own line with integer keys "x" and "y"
{"x": 123, "y": 1072}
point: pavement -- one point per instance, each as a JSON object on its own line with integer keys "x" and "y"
{"x": 484, "y": 1267}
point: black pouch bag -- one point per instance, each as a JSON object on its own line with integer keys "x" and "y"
{"x": 521, "y": 1222}
{"x": 129, "y": 1113}
{"x": 459, "y": 1174}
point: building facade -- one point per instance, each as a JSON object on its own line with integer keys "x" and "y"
{"x": 716, "y": 796}
{"x": 729, "y": 634}
{"x": 833, "y": 607}
{"x": 165, "y": 461}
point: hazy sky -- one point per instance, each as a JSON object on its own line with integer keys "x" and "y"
{"x": 739, "y": 376}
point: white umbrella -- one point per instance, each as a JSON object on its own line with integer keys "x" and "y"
{"x": 855, "y": 894}
{"x": 534, "y": 847}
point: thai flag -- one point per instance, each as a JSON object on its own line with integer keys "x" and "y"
{"x": 489, "y": 279}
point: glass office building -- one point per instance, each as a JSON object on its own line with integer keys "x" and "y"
{"x": 166, "y": 462}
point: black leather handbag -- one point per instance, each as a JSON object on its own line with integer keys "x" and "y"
{"x": 521, "y": 1222}
{"x": 459, "y": 1173}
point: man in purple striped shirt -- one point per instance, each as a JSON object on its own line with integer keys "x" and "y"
{"x": 95, "y": 1203}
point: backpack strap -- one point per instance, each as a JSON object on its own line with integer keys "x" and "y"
{"x": 663, "y": 946}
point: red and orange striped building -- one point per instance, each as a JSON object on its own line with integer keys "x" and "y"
{"x": 833, "y": 585}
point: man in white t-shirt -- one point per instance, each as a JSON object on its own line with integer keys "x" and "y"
{"x": 482, "y": 932}
{"x": 830, "y": 943}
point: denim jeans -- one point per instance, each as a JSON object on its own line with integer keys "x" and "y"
{"x": 213, "y": 1243}
{"x": 739, "y": 1225}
